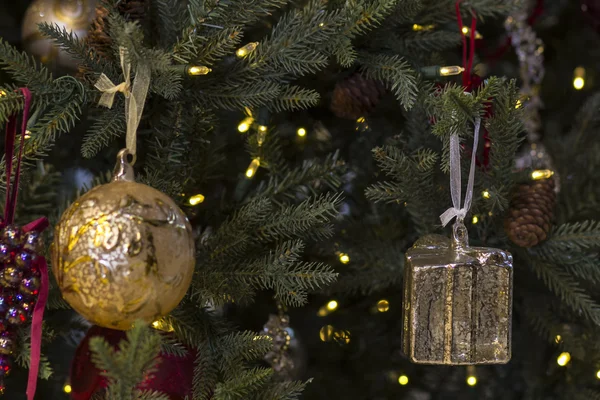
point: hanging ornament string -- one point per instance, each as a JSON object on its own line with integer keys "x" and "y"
{"x": 467, "y": 63}
{"x": 12, "y": 190}
{"x": 455, "y": 177}
{"x": 135, "y": 95}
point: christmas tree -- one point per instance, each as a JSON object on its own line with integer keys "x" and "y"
{"x": 310, "y": 145}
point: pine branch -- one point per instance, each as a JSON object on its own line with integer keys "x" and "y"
{"x": 294, "y": 221}
{"x": 22, "y": 67}
{"x": 395, "y": 72}
{"x": 243, "y": 385}
{"x": 291, "y": 390}
{"x": 568, "y": 289}
{"x": 109, "y": 125}
{"x": 574, "y": 237}
{"x": 252, "y": 95}
{"x": 295, "y": 98}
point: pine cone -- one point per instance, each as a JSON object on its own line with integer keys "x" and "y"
{"x": 531, "y": 212}
{"x": 356, "y": 97}
{"x": 98, "y": 39}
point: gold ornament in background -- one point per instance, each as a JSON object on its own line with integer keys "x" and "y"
{"x": 123, "y": 251}
{"x": 72, "y": 15}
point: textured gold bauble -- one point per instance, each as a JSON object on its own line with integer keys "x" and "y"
{"x": 72, "y": 15}
{"x": 123, "y": 251}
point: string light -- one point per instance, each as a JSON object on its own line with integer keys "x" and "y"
{"x": 475, "y": 219}
{"x": 196, "y": 199}
{"x": 403, "y": 380}
{"x": 558, "y": 338}
{"x": 67, "y": 388}
{"x": 486, "y": 194}
{"x": 196, "y": 70}
{"x": 467, "y": 32}
{"x": 342, "y": 337}
{"x": 541, "y": 174}
{"x": 245, "y": 124}
{"x": 519, "y": 103}
{"x": 301, "y": 132}
{"x": 326, "y": 333}
{"x": 332, "y": 305}
{"x": 598, "y": 374}
{"x": 383, "y": 305}
{"x": 563, "y": 359}
{"x": 253, "y": 167}
{"x": 262, "y": 135}
{"x": 579, "y": 78}
{"x": 2, "y": 93}
{"x": 419, "y": 28}
{"x": 27, "y": 134}
{"x": 471, "y": 375}
{"x": 155, "y": 324}
{"x": 451, "y": 70}
{"x": 246, "y": 49}
{"x": 344, "y": 258}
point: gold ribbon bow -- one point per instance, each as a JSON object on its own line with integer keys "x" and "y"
{"x": 135, "y": 95}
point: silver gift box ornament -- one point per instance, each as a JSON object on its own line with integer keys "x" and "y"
{"x": 457, "y": 302}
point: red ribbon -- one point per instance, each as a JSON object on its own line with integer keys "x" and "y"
{"x": 39, "y": 225}
{"x": 467, "y": 63}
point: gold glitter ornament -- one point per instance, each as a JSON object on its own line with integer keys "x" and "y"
{"x": 123, "y": 251}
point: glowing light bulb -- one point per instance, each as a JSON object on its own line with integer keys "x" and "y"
{"x": 261, "y": 136}
{"x": 262, "y": 128}
{"x": 563, "y": 359}
{"x": 475, "y": 219}
{"x": 451, "y": 70}
{"x": 2, "y": 93}
{"x": 196, "y": 199}
{"x": 403, "y": 380}
{"x": 383, "y": 305}
{"x": 467, "y": 32}
{"x": 344, "y": 258}
{"x": 471, "y": 381}
{"x": 27, "y": 134}
{"x": 541, "y": 174}
{"x": 419, "y": 28}
{"x": 486, "y": 194}
{"x": 301, "y": 132}
{"x": 67, "y": 388}
{"x": 198, "y": 70}
{"x": 245, "y": 124}
{"x": 332, "y": 305}
{"x": 519, "y": 103}
{"x": 155, "y": 324}
{"x": 598, "y": 374}
{"x": 246, "y": 49}
{"x": 558, "y": 338}
{"x": 253, "y": 167}
{"x": 326, "y": 333}
{"x": 579, "y": 78}
{"x": 342, "y": 337}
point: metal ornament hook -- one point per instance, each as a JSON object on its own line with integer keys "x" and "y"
{"x": 123, "y": 168}
{"x": 460, "y": 235}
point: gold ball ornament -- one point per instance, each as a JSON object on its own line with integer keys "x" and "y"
{"x": 72, "y": 15}
{"x": 122, "y": 252}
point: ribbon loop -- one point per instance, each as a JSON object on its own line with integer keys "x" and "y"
{"x": 455, "y": 178}
{"x": 135, "y": 95}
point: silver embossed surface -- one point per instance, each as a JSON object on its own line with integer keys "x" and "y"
{"x": 457, "y": 303}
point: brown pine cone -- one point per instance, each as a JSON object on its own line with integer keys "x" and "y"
{"x": 98, "y": 39}
{"x": 356, "y": 97}
{"x": 531, "y": 212}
